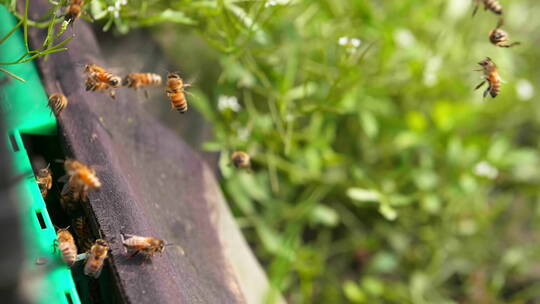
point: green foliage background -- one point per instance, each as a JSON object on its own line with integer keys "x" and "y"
{"x": 379, "y": 175}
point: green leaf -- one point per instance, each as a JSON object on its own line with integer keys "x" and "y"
{"x": 369, "y": 124}
{"x": 167, "y": 15}
{"x": 322, "y": 214}
{"x": 388, "y": 212}
{"x": 353, "y": 293}
{"x": 363, "y": 195}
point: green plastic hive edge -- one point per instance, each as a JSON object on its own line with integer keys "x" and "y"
{"x": 25, "y": 110}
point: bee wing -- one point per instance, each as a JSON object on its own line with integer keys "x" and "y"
{"x": 95, "y": 274}
{"x": 64, "y": 179}
{"x": 65, "y": 189}
{"x": 98, "y": 272}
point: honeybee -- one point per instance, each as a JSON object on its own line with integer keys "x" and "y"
{"x": 94, "y": 85}
{"x": 66, "y": 244}
{"x": 175, "y": 91}
{"x": 80, "y": 178}
{"x": 70, "y": 199}
{"x": 84, "y": 237}
{"x": 492, "y": 5}
{"x": 81, "y": 174}
{"x": 137, "y": 80}
{"x": 146, "y": 245}
{"x": 499, "y": 37}
{"x": 98, "y": 254}
{"x": 99, "y": 74}
{"x": 74, "y": 10}
{"x": 241, "y": 160}
{"x": 491, "y": 77}
{"x": 58, "y": 102}
{"x": 44, "y": 181}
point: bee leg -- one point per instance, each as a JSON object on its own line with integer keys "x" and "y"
{"x": 500, "y": 22}
{"x": 475, "y": 10}
{"x": 510, "y": 45}
{"x": 134, "y": 254}
{"x": 146, "y": 94}
{"x": 480, "y": 85}
{"x": 487, "y": 91}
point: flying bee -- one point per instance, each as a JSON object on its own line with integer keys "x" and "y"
{"x": 499, "y": 37}
{"x": 175, "y": 91}
{"x": 94, "y": 85}
{"x": 241, "y": 160}
{"x": 98, "y": 254}
{"x": 44, "y": 181}
{"x": 491, "y": 76}
{"x": 66, "y": 244}
{"x": 99, "y": 74}
{"x": 492, "y": 5}
{"x": 81, "y": 176}
{"x": 74, "y": 10}
{"x": 58, "y": 102}
{"x": 137, "y": 80}
{"x": 146, "y": 245}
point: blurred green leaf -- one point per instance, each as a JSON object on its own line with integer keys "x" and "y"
{"x": 167, "y": 15}
{"x": 353, "y": 292}
{"x": 363, "y": 195}
{"x": 324, "y": 215}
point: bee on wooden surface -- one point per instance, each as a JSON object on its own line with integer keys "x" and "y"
{"x": 146, "y": 245}
{"x": 500, "y": 38}
{"x": 98, "y": 254}
{"x": 66, "y": 244}
{"x": 58, "y": 102}
{"x": 82, "y": 231}
{"x": 492, "y": 5}
{"x": 491, "y": 76}
{"x": 74, "y": 10}
{"x": 44, "y": 181}
{"x": 99, "y": 74}
{"x": 176, "y": 92}
{"x": 241, "y": 160}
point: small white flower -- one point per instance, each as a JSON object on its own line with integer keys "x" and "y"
{"x": 117, "y": 5}
{"x": 110, "y": 8}
{"x": 228, "y": 102}
{"x": 116, "y": 14}
{"x": 355, "y": 42}
{"x": 351, "y": 44}
{"x": 343, "y": 41}
{"x": 485, "y": 169}
{"x": 123, "y": 2}
{"x": 524, "y": 89}
{"x": 404, "y": 38}
{"x": 270, "y": 3}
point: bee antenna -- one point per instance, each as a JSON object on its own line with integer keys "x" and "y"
{"x": 48, "y": 166}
